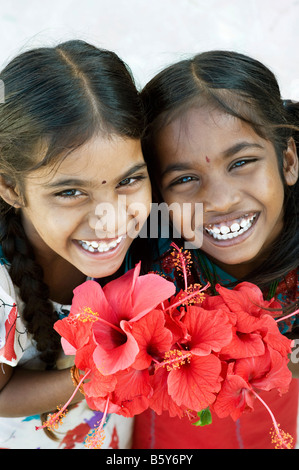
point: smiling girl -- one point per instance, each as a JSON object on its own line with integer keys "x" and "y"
{"x": 70, "y": 133}
{"x": 218, "y": 133}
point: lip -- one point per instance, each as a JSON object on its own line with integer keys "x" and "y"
{"x": 104, "y": 254}
{"x": 230, "y": 217}
{"x": 231, "y": 241}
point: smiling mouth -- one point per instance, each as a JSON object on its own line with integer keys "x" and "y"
{"x": 95, "y": 246}
{"x": 231, "y": 229}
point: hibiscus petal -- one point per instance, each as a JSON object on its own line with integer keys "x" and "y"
{"x": 161, "y": 400}
{"x": 251, "y": 368}
{"x": 119, "y": 293}
{"x": 243, "y": 345}
{"x": 97, "y": 385}
{"x": 91, "y": 295}
{"x": 195, "y": 384}
{"x": 116, "y": 358}
{"x": 274, "y": 338}
{"x": 245, "y": 296}
{"x": 74, "y": 333}
{"x": 132, "y": 296}
{"x": 279, "y": 376}
{"x": 132, "y": 399}
{"x": 209, "y": 330}
{"x": 152, "y": 337}
{"x": 68, "y": 349}
{"x": 150, "y": 290}
{"x": 234, "y": 398}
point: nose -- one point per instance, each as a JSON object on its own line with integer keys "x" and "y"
{"x": 108, "y": 219}
{"x": 221, "y": 195}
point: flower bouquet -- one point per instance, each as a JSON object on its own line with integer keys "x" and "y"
{"x": 139, "y": 345}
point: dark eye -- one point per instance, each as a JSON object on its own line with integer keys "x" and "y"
{"x": 131, "y": 181}
{"x": 184, "y": 180}
{"x": 69, "y": 193}
{"x": 127, "y": 181}
{"x": 243, "y": 162}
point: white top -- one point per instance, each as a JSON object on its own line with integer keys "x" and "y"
{"x": 18, "y": 348}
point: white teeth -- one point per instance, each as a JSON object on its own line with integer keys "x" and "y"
{"x": 235, "y": 227}
{"x": 99, "y": 246}
{"x": 225, "y": 232}
{"x": 224, "y": 229}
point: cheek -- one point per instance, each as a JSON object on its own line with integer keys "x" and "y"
{"x": 137, "y": 212}
{"x": 187, "y": 220}
{"x": 58, "y": 227}
{"x": 270, "y": 192}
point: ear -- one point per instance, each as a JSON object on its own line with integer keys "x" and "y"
{"x": 9, "y": 193}
{"x": 290, "y": 163}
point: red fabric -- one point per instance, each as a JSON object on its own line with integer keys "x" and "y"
{"x": 251, "y": 431}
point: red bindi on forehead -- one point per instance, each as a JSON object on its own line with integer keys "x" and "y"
{"x": 207, "y": 159}
{"x": 104, "y": 182}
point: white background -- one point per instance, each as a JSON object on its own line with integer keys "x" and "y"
{"x": 150, "y": 34}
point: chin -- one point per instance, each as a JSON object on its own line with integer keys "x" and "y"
{"x": 101, "y": 273}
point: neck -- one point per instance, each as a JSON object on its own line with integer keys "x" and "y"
{"x": 62, "y": 278}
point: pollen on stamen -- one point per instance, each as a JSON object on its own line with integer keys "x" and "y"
{"x": 54, "y": 420}
{"x": 174, "y": 359}
{"x": 198, "y": 297}
{"x": 281, "y": 439}
{"x": 87, "y": 315}
{"x": 181, "y": 260}
{"x": 95, "y": 438}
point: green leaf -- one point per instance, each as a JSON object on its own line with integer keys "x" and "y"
{"x": 205, "y": 417}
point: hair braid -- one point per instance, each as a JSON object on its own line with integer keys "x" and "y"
{"x": 27, "y": 275}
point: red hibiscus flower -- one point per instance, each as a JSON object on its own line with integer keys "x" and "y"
{"x": 249, "y": 375}
{"x": 130, "y": 396}
{"x": 114, "y": 307}
{"x": 152, "y": 337}
{"x": 195, "y": 383}
{"x": 142, "y": 346}
{"x": 161, "y": 400}
{"x": 209, "y": 330}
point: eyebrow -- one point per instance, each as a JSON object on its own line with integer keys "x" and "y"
{"x": 131, "y": 171}
{"x": 240, "y": 146}
{"x": 79, "y": 182}
{"x": 227, "y": 153}
{"x": 176, "y": 167}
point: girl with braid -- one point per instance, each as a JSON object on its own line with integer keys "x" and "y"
{"x": 70, "y": 130}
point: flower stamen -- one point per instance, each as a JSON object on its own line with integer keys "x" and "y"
{"x": 280, "y": 438}
{"x": 174, "y": 359}
{"x": 55, "y": 419}
{"x": 195, "y": 294}
{"x": 182, "y": 260}
{"x": 96, "y": 437}
{"x": 287, "y": 316}
{"x": 87, "y": 315}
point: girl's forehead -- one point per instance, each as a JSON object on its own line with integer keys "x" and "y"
{"x": 204, "y": 129}
{"x": 100, "y": 159}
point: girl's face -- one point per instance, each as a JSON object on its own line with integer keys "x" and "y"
{"x": 209, "y": 157}
{"x": 65, "y": 215}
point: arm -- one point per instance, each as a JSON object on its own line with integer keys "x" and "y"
{"x": 27, "y": 392}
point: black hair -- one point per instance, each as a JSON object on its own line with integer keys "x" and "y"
{"x": 247, "y": 89}
{"x": 59, "y": 97}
